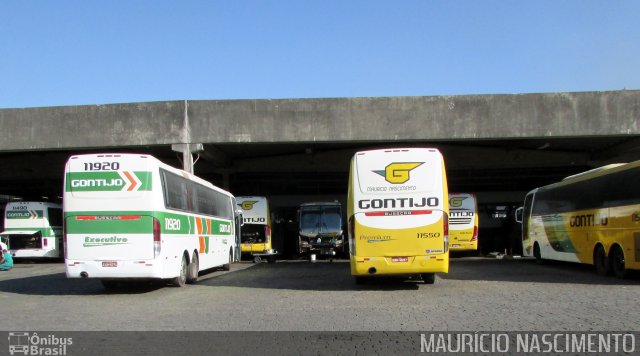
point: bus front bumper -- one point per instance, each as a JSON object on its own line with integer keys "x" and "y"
{"x": 114, "y": 269}
{"x": 33, "y": 253}
{"x": 371, "y": 266}
{"x": 463, "y": 245}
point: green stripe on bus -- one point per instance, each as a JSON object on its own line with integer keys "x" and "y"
{"x": 108, "y": 181}
{"x": 121, "y": 222}
{"x": 25, "y": 214}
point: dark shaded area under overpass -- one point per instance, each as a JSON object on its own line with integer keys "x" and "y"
{"x": 321, "y": 169}
{"x": 500, "y": 172}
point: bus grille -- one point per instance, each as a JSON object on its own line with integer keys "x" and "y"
{"x": 459, "y": 221}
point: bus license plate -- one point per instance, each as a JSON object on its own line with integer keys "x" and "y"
{"x": 399, "y": 259}
{"x": 109, "y": 263}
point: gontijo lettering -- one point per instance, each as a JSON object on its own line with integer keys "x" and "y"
{"x": 108, "y": 181}
{"x": 76, "y": 183}
{"x": 392, "y": 203}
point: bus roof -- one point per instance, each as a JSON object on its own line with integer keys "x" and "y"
{"x": 156, "y": 162}
{"x": 591, "y": 174}
{"x": 326, "y": 203}
{"x": 37, "y": 203}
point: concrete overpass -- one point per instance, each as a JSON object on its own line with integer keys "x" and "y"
{"x": 297, "y": 149}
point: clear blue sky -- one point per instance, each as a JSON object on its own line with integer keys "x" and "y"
{"x": 95, "y": 52}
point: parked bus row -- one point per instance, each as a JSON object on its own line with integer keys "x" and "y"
{"x": 129, "y": 217}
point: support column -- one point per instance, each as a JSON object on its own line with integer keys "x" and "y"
{"x": 187, "y": 158}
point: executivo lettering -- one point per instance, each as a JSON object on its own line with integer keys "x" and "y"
{"x": 104, "y": 241}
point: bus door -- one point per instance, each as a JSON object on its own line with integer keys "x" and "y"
{"x": 527, "y": 242}
{"x": 238, "y": 222}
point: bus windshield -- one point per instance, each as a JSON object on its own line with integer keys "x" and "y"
{"x": 320, "y": 220}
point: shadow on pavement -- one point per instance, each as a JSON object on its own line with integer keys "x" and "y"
{"x": 302, "y": 275}
{"x": 528, "y": 271}
{"x": 59, "y": 284}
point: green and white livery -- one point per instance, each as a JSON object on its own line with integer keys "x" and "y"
{"x": 130, "y": 216}
{"x": 33, "y": 229}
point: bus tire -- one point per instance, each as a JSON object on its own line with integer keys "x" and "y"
{"x": 428, "y": 278}
{"x": 181, "y": 279}
{"x": 192, "y": 274}
{"x": 227, "y": 266}
{"x": 600, "y": 261}
{"x": 537, "y": 254}
{"x": 617, "y": 262}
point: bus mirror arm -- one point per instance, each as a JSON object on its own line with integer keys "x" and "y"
{"x": 518, "y": 215}
{"x": 240, "y": 217}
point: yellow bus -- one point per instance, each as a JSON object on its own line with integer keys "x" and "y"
{"x": 463, "y": 222}
{"x": 592, "y": 217}
{"x": 397, "y": 210}
{"x": 256, "y": 231}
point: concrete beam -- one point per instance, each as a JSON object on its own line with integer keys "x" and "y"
{"x": 91, "y": 126}
{"x": 417, "y": 118}
{"x": 387, "y": 119}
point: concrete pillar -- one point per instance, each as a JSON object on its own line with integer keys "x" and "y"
{"x": 187, "y": 158}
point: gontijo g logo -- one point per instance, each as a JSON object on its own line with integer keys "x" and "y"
{"x": 398, "y": 173}
{"x": 247, "y": 205}
{"x": 456, "y": 202}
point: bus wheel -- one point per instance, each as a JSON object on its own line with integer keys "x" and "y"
{"x": 192, "y": 275}
{"x": 429, "y": 278}
{"x": 227, "y": 266}
{"x": 617, "y": 262}
{"x": 181, "y": 279}
{"x": 600, "y": 261}
{"x": 257, "y": 259}
{"x": 537, "y": 254}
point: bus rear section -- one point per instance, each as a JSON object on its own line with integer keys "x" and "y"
{"x": 398, "y": 212}
{"x": 33, "y": 229}
{"x": 111, "y": 228}
{"x": 463, "y": 222}
{"x": 255, "y": 236}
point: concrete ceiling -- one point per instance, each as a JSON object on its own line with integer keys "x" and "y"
{"x": 322, "y": 168}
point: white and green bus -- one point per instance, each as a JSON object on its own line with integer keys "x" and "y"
{"x": 33, "y": 229}
{"x": 130, "y": 216}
